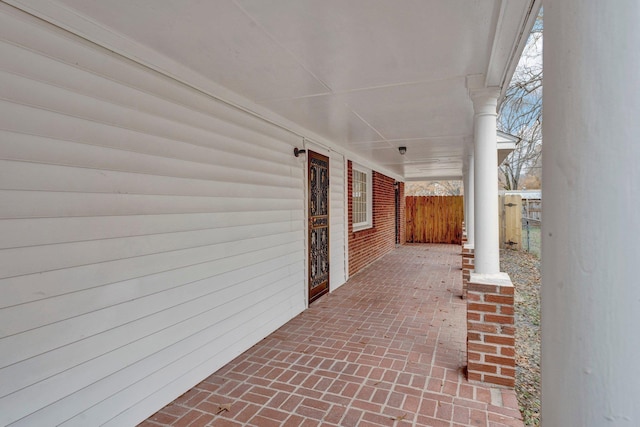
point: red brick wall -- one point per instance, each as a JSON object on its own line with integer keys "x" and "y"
{"x": 366, "y": 246}
{"x": 468, "y": 261}
{"x": 490, "y": 334}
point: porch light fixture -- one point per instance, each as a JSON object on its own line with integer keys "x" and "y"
{"x": 297, "y": 151}
{"x": 402, "y": 150}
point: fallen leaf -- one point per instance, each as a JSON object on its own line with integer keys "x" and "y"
{"x": 224, "y": 408}
{"x": 400, "y": 418}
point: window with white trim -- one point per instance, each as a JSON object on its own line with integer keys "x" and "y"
{"x": 361, "y": 198}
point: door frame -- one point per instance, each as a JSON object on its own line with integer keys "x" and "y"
{"x": 325, "y": 154}
{"x": 396, "y": 188}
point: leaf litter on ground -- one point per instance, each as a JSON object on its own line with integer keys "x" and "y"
{"x": 524, "y": 270}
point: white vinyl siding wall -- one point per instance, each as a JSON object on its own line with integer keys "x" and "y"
{"x": 149, "y": 234}
{"x": 337, "y": 242}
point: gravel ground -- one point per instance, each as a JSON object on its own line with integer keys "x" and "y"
{"x": 524, "y": 270}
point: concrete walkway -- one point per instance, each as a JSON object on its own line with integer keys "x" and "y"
{"x": 385, "y": 349}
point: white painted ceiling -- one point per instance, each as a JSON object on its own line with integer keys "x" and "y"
{"x": 369, "y": 75}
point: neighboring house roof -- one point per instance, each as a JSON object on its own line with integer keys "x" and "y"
{"x": 506, "y": 144}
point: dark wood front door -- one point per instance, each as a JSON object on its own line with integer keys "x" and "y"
{"x": 318, "y": 225}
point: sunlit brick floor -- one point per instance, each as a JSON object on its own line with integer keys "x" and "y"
{"x": 385, "y": 349}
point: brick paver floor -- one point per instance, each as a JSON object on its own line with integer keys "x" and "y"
{"x": 385, "y": 349}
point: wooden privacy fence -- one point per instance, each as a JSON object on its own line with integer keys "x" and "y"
{"x": 434, "y": 219}
{"x": 510, "y": 211}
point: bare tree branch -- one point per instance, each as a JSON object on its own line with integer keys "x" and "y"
{"x": 433, "y": 188}
{"x": 521, "y": 112}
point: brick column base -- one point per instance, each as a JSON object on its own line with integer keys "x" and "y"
{"x": 490, "y": 330}
{"x": 467, "y": 267}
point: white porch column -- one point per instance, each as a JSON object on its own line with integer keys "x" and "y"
{"x": 465, "y": 185}
{"x": 469, "y": 197}
{"x": 591, "y": 219}
{"x": 485, "y": 206}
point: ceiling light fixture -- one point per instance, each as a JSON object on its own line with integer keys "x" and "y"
{"x": 402, "y": 150}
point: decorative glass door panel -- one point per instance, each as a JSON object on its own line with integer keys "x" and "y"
{"x": 318, "y": 225}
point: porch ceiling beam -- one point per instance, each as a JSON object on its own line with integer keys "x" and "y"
{"x": 511, "y": 17}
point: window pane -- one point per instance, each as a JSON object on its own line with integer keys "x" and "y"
{"x": 359, "y": 197}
